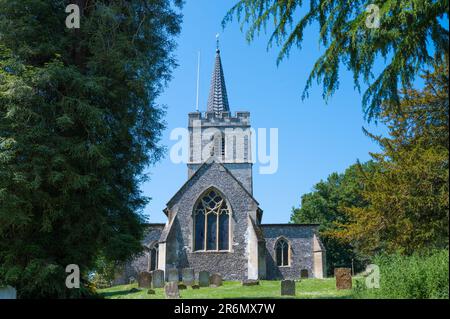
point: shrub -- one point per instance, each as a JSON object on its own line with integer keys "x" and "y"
{"x": 420, "y": 276}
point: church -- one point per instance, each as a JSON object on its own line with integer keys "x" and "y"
{"x": 214, "y": 223}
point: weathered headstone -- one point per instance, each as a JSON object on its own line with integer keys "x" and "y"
{"x": 131, "y": 280}
{"x": 8, "y": 292}
{"x": 343, "y": 278}
{"x": 182, "y": 286}
{"x": 288, "y": 288}
{"x": 188, "y": 276}
{"x": 151, "y": 292}
{"x": 215, "y": 280}
{"x": 171, "y": 290}
{"x": 172, "y": 275}
{"x": 158, "y": 278}
{"x": 144, "y": 279}
{"x": 250, "y": 282}
{"x": 304, "y": 273}
{"x": 203, "y": 279}
{"x": 195, "y": 287}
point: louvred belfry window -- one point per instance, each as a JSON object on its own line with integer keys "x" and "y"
{"x": 211, "y": 223}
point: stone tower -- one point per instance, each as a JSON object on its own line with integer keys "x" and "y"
{"x": 217, "y": 135}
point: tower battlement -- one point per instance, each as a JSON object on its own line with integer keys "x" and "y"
{"x": 213, "y": 119}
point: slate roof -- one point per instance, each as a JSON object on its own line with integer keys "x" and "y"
{"x": 218, "y": 98}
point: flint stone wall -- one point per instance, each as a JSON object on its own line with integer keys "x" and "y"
{"x": 139, "y": 264}
{"x": 300, "y": 238}
{"x": 231, "y": 265}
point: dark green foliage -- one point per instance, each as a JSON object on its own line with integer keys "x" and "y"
{"x": 78, "y": 125}
{"x": 420, "y": 276}
{"x": 408, "y": 193}
{"x": 410, "y": 35}
{"x": 324, "y": 205}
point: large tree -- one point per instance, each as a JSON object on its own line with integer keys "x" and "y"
{"x": 411, "y": 33}
{"x": 78, "y": 125}
{"x": 325, "y": 205}
{"x": 408, "y": 193}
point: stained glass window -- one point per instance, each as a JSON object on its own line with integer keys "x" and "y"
{"x": 212, "y": 223}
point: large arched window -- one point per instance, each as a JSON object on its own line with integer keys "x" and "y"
{"x": 211, "y": 223}
{"x": 153, "y": 257}
{"x": 282, "y": 252}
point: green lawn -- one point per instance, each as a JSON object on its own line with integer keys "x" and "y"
{"x": 306, "y": 288}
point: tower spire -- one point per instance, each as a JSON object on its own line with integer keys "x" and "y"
{"x": 218, "y": 98}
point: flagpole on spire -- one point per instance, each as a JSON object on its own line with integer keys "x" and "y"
{"x": 198, "y": 79}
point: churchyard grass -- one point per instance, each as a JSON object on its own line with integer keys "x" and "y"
{"x": 306, "y": 288}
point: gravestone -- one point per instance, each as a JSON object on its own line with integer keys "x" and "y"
{"x": 195, "y": 287}
{"x": 203, "y": 279}
{"x": 144, "y": 279}
{"x": 250, "y": 282}
{"x": 343, "y": 278}
{"x": 181, "y": 286}
{"x": 215, "y": 280}
{"x": 304, "y": 273}
{"x": 8, "y": 292}
{"x": 288, "y": 288}
{"x": 171, "y": 290}
{"x": 188, "y": 276}
{"x": 172, "y": 275}
{"x": 151, "y": 292}
{"x": 158, "y": 278}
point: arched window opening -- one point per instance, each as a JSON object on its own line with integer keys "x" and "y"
{"x": 211, "y": 223}
{"x": 218, "y": 145}
{"x": 223, "y": 146}
{"x": 282, "y": 252}
{"x": 153, "y": 258}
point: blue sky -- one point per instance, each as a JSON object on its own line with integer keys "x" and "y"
{"x": 315, "y": 138}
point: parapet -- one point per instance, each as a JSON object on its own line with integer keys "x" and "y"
{"x": 221, "y": 119}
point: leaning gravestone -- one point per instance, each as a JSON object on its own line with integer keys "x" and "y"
{"x": 157, "y": 279}
{"x": 144, "y": 279}
{"x": 215, "y": 280}
{"x": 172, "y": 275}
{"x": 171, "y": 290}
{"x": 188, "y": 276}
{"x": 288, "y": 288}
{"x": 343, "y": 278}
{"x": 203, "y": 279}
{"x": 8, "y": 292}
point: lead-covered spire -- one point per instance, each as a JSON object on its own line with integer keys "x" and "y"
{"x": 218, "y": 98}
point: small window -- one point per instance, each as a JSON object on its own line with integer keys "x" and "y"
{"x": 223, "y": 147}
{"x": 153, "y": 258}
{"x": 282, "y": 252}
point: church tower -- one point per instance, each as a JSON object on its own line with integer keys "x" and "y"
{"x": 217, "y": 135}
{"x": 214, "y": 223}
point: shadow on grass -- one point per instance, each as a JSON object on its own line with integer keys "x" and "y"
{"x": 118, "y": 293}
